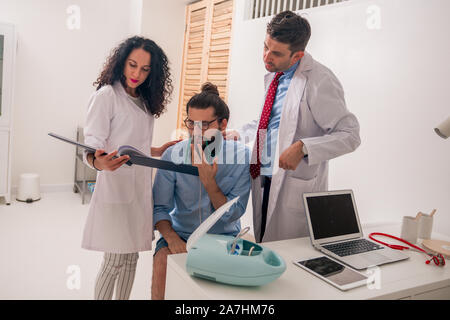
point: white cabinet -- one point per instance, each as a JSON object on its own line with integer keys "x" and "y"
{"x": 7, "y": 58}
{"x": 4, "y": 147}
{"x": 438, "y": 294}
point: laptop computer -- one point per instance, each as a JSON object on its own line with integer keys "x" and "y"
{"x": 335, "y": 230}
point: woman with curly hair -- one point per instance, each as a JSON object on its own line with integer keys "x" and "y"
{"x": 132, "y": 90}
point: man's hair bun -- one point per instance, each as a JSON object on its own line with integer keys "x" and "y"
{"x": 208, "y": 87}
{"x": 209, "y": 97}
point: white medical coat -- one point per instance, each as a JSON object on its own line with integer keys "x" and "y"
{"x": 315, "y": 112}
{"x": 120, "y": 216}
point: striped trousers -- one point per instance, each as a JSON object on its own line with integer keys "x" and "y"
{"x": 117, "y": 271}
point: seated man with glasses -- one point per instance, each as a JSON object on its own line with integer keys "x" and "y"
{"x": 181, "y": 201}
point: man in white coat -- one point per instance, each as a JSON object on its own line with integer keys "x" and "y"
{"x": 303, "y": 124}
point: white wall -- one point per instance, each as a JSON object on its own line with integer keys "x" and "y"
{"x": 164, "y": 22}
{"x": 55, "y": 69}
{"x": 396, "y": 83}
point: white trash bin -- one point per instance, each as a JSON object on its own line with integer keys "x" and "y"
{"x": 28, "y": 190}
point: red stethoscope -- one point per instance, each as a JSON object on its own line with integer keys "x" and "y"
{"x": 437, "y": 259}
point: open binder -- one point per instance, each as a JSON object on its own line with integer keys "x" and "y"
{"x": 138, "y": 158}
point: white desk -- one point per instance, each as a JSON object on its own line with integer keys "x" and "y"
{"x": 408, "y": 279}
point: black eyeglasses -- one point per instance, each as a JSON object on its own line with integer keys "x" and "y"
{"x": 191, "y": 124}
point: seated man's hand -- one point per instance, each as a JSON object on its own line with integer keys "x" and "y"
{"x": 206, "y": 172}
{"x": 207, "y": 175}
{"x": 176, "y": 244}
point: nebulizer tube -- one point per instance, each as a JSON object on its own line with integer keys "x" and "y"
{"x": 198, "y": 137}
{"x": 240, "y": 234}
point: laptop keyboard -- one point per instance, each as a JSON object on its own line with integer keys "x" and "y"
{"x": 352, "y": 247}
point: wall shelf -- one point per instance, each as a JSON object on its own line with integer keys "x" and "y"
{"x": 7, "y": 61}
{"x": 84, "y": 176}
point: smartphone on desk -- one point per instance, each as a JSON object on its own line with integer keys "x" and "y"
{"x": 333, "y": 272}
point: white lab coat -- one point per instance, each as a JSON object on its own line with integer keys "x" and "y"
{"x": 120, "y": 216}
{"x": 314, "y": 111}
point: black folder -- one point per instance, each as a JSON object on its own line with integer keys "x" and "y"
{"x": 138, "y": 158}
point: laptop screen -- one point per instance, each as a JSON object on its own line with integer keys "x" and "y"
{"x": 332, "y": 215}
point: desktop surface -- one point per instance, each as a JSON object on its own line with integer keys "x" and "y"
{"x": 408, "y": 279}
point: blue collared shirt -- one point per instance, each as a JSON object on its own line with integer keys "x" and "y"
{"x": 182, "y": 199}
{"x": 269, "y": 149}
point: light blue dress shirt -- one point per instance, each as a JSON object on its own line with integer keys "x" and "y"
{"x": 182, "y": 199}
{"x": 269, "y": 149}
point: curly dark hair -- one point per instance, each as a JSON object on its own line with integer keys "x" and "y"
{"x": 157, "y": 88}
{"x": 288, "y": 27}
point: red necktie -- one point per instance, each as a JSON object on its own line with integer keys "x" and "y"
{"x": 255, "y": 168}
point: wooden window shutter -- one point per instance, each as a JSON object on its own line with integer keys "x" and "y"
{"x": 206, "y": 52}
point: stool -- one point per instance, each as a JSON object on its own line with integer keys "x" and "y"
{"x": 28, "y": 190}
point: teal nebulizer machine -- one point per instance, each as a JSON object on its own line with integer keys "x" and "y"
{"x": 228, "y": 259}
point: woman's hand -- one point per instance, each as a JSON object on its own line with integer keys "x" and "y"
{"x": 108, "y": 162}
{"x": 157, "y": 152}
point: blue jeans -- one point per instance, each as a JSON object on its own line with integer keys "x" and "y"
{"x": 162, "y": 243}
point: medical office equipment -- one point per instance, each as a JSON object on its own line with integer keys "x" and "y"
{"x": 418, "y": 227}
{"x": 334, "y": 272}
{"x": 228, "y": 259}
{"x": 425, "y": 225}
{"x": 85, "y": 176}
{"x": 335, "y": 229}
{"x": 410, "y": 228}
{"x": 443, "y": 130}
{"x": 438, "y": 259}
{"x": 235, "y": 246}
